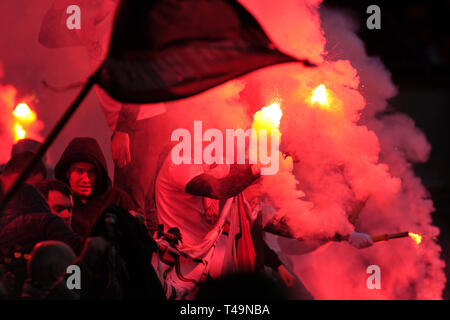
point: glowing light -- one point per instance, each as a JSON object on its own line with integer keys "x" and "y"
{"x": 266, "y": 123}
{"x": 19, "y": 132}
{"x": 23, "y": 113}
{"x": 320, "y": 95}
{"x": 268, "y": 117}
{"x": 416, "y": 237}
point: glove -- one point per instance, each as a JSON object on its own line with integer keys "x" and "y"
{"x": 360, "y": 240}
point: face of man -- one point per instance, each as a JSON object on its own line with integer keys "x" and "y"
{"x": 82, "y": 179}
{"x": 61, "y": 205}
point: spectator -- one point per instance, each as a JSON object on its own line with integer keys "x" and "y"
{"x": 15, "y": 166}
{"x": 59, "y": 198}
{"x": 93, "y": 267}
{"x": 180, "y": 193}
{"x": 24, "y": 145}
{"x": 48, "y": 262}
{"x": 82, "y": 167}
{"x": 27, "y": 220}
{"x": 27, "y": 144}
{"x": 130, "y": 274}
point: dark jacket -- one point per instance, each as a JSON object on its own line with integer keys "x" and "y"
{"x": 130, "y": 273}
{"x": 103, "y": 194}
{"x": 27, "y": 220}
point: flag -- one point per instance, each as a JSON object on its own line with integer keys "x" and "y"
{"x": 164, "y": 50}
{"x": 245, "y": 247}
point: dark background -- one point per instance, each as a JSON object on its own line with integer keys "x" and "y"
{"x": 414, "y": 44}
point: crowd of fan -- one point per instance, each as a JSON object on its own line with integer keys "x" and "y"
{"x": 76, "y": 218}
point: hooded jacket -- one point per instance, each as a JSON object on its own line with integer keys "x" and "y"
{"x": 84, "y": 215}
{"x": 25, "y": 221}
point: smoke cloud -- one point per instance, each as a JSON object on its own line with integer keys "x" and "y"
{"x": 346, "y": 152}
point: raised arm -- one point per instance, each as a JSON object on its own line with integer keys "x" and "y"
{"x": 239, "y": 178}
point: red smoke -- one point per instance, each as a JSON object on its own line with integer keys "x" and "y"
{"x": 343, "y": 154}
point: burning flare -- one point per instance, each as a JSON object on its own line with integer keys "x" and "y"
{"x": 388, "y": 236}
{"x": 320, "y": 95}
{"x": 23, "y": 113}
{"x": 268, "y": 117}
{"x": 24, "y": 116}
{"x": 416, "y": 237}
{"x": 265, "y": 129}
{"x": 19, "y": 132}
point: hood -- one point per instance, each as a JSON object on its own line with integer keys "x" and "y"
{"x": 84, "y": 149}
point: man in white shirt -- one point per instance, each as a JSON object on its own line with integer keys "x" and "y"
{"x": 181, "y": 188}
{"x": 179, "y": 195}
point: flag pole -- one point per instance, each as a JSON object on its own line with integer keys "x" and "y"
{"x": 48, "y": 141}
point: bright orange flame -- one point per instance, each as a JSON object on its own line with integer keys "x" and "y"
{"x": 23, "y": 113}
{"x": 268, "y": 117}
{"x": 19, "y": 132}
{"x": 416, "y": 237}
{"x": 266, "y": 122}
{"x": 320, "y": 95}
